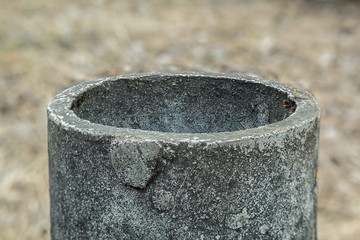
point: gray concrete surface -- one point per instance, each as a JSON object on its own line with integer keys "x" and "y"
{"x": 183, "y": 156}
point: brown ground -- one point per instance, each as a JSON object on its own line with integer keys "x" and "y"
{"x": 47, "y": 46}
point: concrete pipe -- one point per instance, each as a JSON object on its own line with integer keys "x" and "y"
{"x": 183, "y": 156}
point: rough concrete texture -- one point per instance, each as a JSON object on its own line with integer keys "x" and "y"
{"x": 183, "y": 156}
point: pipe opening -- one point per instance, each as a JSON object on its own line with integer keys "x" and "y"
{"x": 180, "y": 104}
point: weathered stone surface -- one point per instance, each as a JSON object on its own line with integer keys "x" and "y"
{"x": 183, "y": 156}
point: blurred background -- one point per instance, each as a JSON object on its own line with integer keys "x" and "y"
{"x": 48, "y": 46}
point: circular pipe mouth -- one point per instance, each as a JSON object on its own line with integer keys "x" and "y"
{"x": 178, "y": 104}
{"x": 181, "y": 103}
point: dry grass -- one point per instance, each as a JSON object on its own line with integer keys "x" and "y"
{"x": 46, "y": 46}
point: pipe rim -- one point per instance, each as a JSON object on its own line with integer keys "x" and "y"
{"x": 59, "y": 111}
